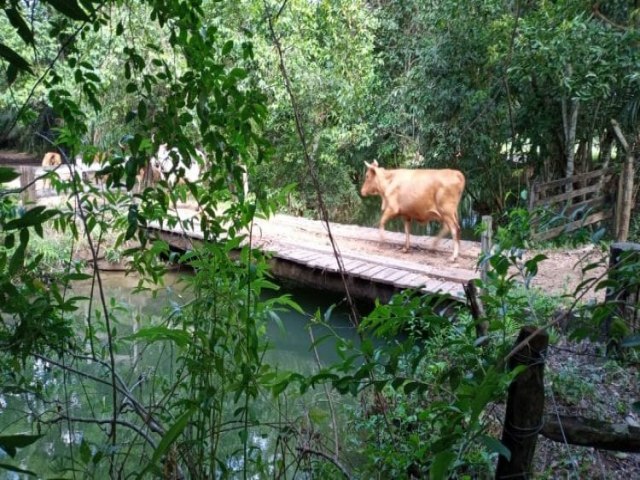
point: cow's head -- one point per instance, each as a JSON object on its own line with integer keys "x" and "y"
{"x": 370, "y": 185}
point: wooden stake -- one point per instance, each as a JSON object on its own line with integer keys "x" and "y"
{"x": 27, "y": 184}
{"x": 477, "y": 310}
{"x": 525, "y": 407}
{"x": 624, "y": 297}
{"x": 486, "y": 244}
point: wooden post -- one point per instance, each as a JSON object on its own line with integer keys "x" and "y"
{"x": 485, "y": 242}
{"x": 27, "y": 184}
{"x": 471, "y": 290}
{"x": 533, "y": 196}
{"x": 618, "y": 212}
{"x": 134, "y": 347}
{"x": 623, "y": 216}
{"x": 624, "y": 296}
{"x": 477, "y": 311}
{"x": 525, "y": 407}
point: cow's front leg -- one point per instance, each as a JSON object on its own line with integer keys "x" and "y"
{"x": 386, "y": 216}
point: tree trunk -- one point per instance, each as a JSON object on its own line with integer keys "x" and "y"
{"x": 626, "y": 203}
{"x": 606, "y": 146}
{"x": 627, "y": 198}
{"x": 570, "y": 124}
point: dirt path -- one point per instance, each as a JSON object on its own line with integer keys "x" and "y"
{"x": 560, "y": 274}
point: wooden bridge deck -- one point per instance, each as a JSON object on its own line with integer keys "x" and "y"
{"x": 301, "y": 252}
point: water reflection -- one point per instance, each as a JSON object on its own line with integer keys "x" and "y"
{"x": 54, "y": 391}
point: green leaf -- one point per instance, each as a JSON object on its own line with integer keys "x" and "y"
{"x": 12, "y": 74}
{"x": 20, "y": 25}
{"x": 11, "y": 443}
{"x": 228, "y": 46}
{"x": 168, "y": 439}
{"x": 31, "y": 217}
{"x": 17, "y": 260}
{"x": 8, "y": 174}
{"x": 411, "y": 386}
{"x": 440, "y": 465}
{"x": 495, "y": 446}
{"x": 11, "y": 468}
{"x": 238, "y": 72}
{"x": 142, "y": 110}
{"x": 181, "y": 338}
{"x": 14, "y": 58}
{"x": 69, "y": 8}
{"x": 9, "y": 241}
{"x": 317, "y": 415}
{"x": 85, "y": 452}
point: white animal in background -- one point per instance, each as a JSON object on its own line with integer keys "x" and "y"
{"x": 164, "y": 163}
{"x": 85, "y": 170}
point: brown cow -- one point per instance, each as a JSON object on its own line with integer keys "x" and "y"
{"x": 148, "y": 175}
{"x": 50, "y": 159}
{"x": 421, "y": 195}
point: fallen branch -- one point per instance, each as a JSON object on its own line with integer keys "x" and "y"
{"x": 589, "y": 432}
{"x": 308, "y": 451}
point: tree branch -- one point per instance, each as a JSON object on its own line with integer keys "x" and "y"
{"x": 338, "y": 465}
{"x": 102, "y": 421}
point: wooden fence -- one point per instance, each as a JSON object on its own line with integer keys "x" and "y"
{"x": 570, "y": 203}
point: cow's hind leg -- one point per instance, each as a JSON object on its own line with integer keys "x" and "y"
{"x": 444, "y": 229}
{"x": 407, "y": 232}
{"x": 451, "y": 223}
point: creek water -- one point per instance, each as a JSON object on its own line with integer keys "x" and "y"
{"x": 292, "y": 350}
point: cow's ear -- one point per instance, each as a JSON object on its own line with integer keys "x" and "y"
{"x": 375, "y": 163}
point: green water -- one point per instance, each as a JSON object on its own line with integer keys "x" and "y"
{"x": 136, "y": 364}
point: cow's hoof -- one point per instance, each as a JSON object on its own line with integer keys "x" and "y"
{"x": 453, "y": 259}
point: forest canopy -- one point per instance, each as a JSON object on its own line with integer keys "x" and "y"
{"x": 505, "y": 91}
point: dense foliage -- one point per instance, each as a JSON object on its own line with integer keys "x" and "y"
{"x": 502, "y": 90}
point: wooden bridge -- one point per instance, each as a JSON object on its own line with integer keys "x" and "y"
{"x": 300, "y": 252}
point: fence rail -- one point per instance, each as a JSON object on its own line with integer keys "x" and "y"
{"x": 575, "y": 202}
